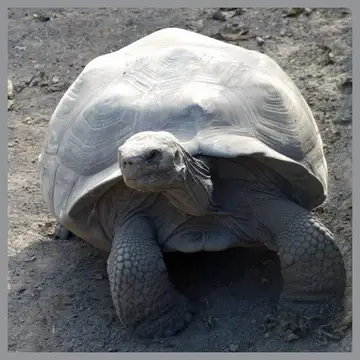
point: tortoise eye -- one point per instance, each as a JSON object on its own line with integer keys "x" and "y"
{"x": 151, "y": 155}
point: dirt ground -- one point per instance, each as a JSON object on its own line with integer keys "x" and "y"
{"x": 58, "y": 294}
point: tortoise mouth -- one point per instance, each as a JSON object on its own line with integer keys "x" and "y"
{"x": 153, "y": 180}
{"x": 150, "y": 174}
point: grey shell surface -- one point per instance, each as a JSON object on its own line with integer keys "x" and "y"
{"x": 218, "y": 99}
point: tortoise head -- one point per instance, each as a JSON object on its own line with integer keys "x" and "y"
{"x": 152, "y": 161}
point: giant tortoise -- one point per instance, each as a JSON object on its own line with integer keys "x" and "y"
{"x": 180, "y": 142}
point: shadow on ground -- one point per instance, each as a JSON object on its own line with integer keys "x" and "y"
{"x": 73, "y": 310}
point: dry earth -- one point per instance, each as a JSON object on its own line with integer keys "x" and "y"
{"x": 58, "y": 294}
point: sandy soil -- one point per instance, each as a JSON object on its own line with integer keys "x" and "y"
{"x": 58, "y": 293}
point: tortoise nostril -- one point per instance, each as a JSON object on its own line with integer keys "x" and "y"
{"x": 126, "y": 162}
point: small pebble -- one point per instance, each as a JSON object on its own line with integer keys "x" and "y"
{"x": 347, "y": 85}
{"x": 11, "y": 104}
{"x": 294, "y": 12}
{"x": 233, "y": 347}
{"x": 10, "y": 90}
{"x": 21, "y": 290}
{"x": 40, "y": 17}
{"x": 260, "y": 40}
{"x": 290, "y": 336}
{"x": 218, "y": 15}
{"x": 55, "y": 79}
{"x": 31, "y": 259}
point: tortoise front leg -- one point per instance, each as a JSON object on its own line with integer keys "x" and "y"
{"x": 311, "y": 263}
{"x": 145, "y": 300}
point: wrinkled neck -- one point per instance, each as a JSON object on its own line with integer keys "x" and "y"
{"x": 193, "y": 192}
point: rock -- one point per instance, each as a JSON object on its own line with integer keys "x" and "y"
{"x": 239, "y": 11}
{"x": 21, "y": 290}
{"x": 10, "y": 90}
{"x": 234, "y": 347}
{"x": 28, "y": 120}
{"x": 292, "y": 12}
{"x": 290, "y": 336}
{"x": 270, "y": 322}
{"x": 41, "y": 17}
{"x": 31, "y": 259}
{"x": 328, "y": 56}
{"x": 308, "y": 11}
{"x": 55, "y": 79}
{"x": 260, "y": 41}
{"x": 42, "y": 74}
{"x": 218, "y": 15}
{"x": 234, "y": 33}
{"x": 11, "y": 104}
{"x": 21, "y": 48}
{"x": 231, "y": 12}
{"x": 346, "y": 85}
{"x": 10, "y": 95}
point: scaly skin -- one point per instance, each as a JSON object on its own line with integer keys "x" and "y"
{"x": 144, "y": 299}
{"x": 311, "y": 263}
